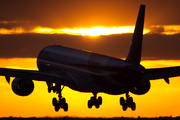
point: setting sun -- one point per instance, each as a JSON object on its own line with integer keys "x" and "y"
{"x": 96, "y": 31}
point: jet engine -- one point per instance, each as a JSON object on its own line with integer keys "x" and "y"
{"x": 141, "y": 88}
{"x": 22, "y": 87}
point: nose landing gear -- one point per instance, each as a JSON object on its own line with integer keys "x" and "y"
{"x": 95, "y": 101}
{"x": 127, "y": 103}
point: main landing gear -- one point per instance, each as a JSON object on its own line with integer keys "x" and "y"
{"x": 127, "y": 103}
{"x": 61, "y": 102}
{"x": 95, "y": 101}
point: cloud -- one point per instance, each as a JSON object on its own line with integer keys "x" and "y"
{"x": 161, "y": 46}
{"x": 95, "y": 31}
{"x": 164, "y": 29}
{"x": 16, "y": 24}
{"x": 156, "y": 29}
{"x": 7, "y": 22}
{"x": 19, "y": 18}
{"x": 88, "y": 13}
{"x": 155, "y": 46}
{"x": 17, "y": 30}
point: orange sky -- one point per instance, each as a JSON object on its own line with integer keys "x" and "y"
{"x": 89, "y": 18}
{"x": 161, "y": 100}
{"x": 24, "y": 26}
{"x": 59, "y": 14}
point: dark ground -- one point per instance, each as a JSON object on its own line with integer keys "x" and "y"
{"x": 71, "y": 118}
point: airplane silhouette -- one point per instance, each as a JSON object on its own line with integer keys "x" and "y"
{"x": 90, "y": 72}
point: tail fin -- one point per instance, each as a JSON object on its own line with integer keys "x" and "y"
{"x": 134, "y": 55}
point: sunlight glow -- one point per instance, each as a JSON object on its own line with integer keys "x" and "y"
{"x": 160, "y": 63}
{"x": 94, "y": 31}
{"x": 18, "y": 30}
{"x": 171, "y": 29}
{"x": 165, "y": 29}
{"x": 43, "y": 30}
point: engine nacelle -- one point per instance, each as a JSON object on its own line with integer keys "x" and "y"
{"x": 22, "y": 87}
{"x": 141, "y": 88}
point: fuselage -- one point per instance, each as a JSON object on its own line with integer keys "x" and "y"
{"x": 91, "y": 71}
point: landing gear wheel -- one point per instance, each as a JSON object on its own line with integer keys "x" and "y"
{"x": 124, "y": 107}
{"x": 57, "y": 107}
{"x": 122, "y": 101}
{"x": 95, "y": 101}
{"x": 49, "y": 89}
{"x": 65, "y": 107}
{"x": 133, "y": 106}
{"x": 127, "y": 103}
{"x": 54, "y": 90}
{"x": 90, "y": 104}
{"x": 63, "y": 101}
{"x": 100, "y": 100}
{"x": 97, "y": 104}
{"x": 54, "y": 101}
{"x": 130, "y": 100}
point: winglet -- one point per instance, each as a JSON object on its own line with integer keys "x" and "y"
{"x": 134, "y": 55}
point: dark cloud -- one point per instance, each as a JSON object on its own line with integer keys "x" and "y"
{"x": 15, "y": 24}
{"x": 156, "y": 29}
{"x": 29, "y": 45}
{"x": 85, "y": 13}
{"x": 161, "y": 46}
{"x": 155, "y": 46}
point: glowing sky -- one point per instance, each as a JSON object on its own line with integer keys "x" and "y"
{"x": 73, "y": 17}
{"x": 95, "y": 31}
{"x": 161, "y": 100}
{"x": 28, "y": 26}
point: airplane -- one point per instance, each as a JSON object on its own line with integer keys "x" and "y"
{"x": 89, "y": 72}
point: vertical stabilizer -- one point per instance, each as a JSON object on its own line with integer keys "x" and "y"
{"x": 134, "y": 55}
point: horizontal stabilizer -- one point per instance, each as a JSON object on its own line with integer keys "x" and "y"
{"x": 161, "y": 73}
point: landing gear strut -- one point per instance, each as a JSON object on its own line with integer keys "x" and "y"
{"x": 127, "y": 103}
{"x": 95, "y": 101}
{"x": 61, "y": 102}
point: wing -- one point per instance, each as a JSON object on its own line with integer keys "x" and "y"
{"x": 37, "y": 75}
{"x": 161, "y": 73}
